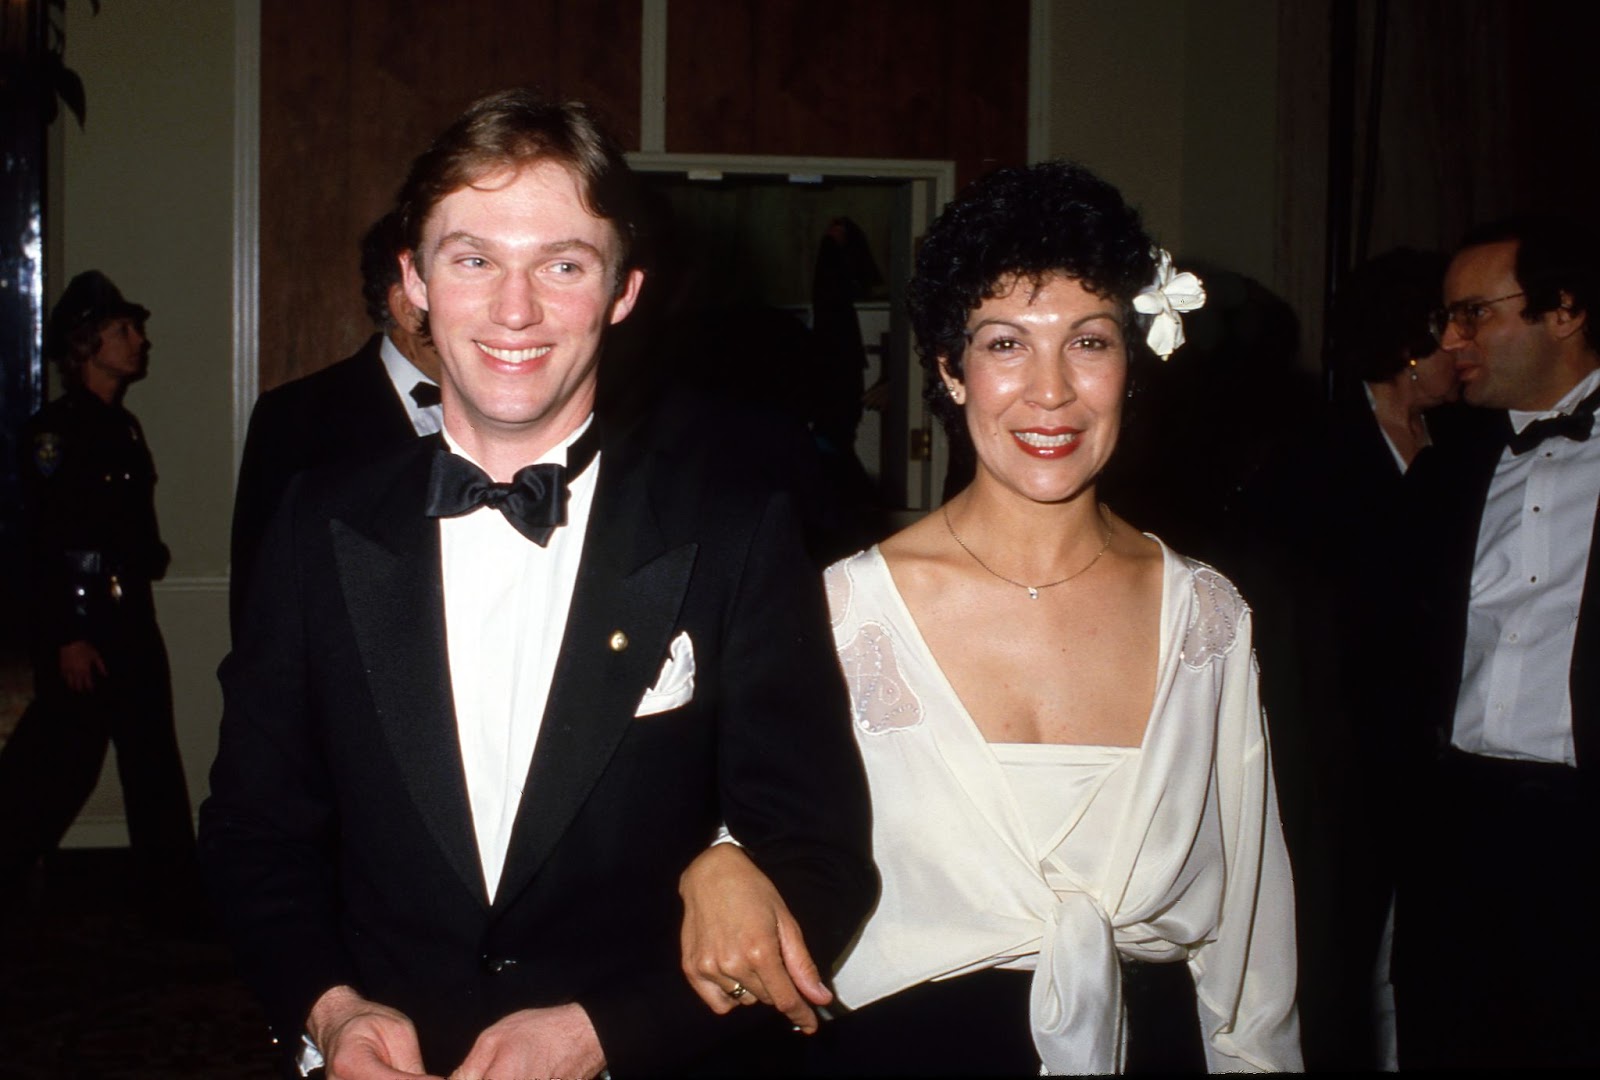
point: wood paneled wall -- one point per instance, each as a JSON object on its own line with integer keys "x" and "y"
{"x": 942, "y": 79}
{"x": 351, "y": 90}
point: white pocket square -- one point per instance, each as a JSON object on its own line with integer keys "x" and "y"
{"x": 675, "y": 685}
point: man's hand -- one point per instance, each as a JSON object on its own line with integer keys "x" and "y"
{"x": 737, "y": 931}
{"x": 362, "y": 1040}
{"x": 554, "y": 1042}
{"x": 80, "y": 666}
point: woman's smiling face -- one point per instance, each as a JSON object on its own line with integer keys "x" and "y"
{"x": 1044, "y": 374}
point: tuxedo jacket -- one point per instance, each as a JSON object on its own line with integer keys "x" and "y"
{"x": 338, "y": 836}
{"x": 1452, "y": 487}
{"x": 345, "y": 411}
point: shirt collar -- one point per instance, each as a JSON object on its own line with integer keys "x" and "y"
{"x": 1521, "y": 419}
{"x": 402, "y": 372}
{"x": 556, "y": 454}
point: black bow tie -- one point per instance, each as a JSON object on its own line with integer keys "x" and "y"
{"x": 1575, "y": 425}
{"x": 425, "y": 394}
{"x": 534, "y": 502}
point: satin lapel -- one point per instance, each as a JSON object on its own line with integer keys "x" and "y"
{"x": 628, "y": 583}
{"x": 389, "y": 572}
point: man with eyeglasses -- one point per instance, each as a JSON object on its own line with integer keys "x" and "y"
{"x": 1494, "y": 962}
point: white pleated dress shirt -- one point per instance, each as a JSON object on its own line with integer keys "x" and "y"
{"x": 505, "y": 611}
{"x": 1527, "y": 584}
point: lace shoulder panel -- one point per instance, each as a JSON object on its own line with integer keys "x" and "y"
{"x": 839, "y": 585}
{"x": 880, "y": 698}
{"x": 1214, "y": 619}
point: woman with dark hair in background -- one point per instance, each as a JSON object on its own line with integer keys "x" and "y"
{"x": 1384, "y": 352}
{"x": 1071, "y": 784}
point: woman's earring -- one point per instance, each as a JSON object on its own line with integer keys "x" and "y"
{"x": 957, "y": 393}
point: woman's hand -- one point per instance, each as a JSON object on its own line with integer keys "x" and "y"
{"x": 737, "y": 932}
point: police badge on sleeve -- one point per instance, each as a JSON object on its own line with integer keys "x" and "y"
{"x": 47, "y": 453}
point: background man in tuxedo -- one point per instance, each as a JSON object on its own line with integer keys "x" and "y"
{"x": 1489, "y": 972}
{"x": 492, "y": 693}
{"x": 386, "y": 393}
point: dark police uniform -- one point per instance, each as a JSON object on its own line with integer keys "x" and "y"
{"x": 88, "y": 489}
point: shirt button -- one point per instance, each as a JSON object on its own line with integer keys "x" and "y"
{"x": 1512, "y": 637}
{"x": 1534, "y": 578}
{"x": 1535, "y": 509}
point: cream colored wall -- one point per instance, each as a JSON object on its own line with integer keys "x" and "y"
{"x": 1175, "y": 102}
{"x": 145, "y": 193}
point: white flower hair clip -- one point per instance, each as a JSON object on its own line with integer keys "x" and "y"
{"x": 1163, "y": 298}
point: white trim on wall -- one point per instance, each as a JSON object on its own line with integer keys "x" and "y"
{"x": 246, "y": 216}
{"x": 942, "y": 174}
{"x": 653, "y": 77}
{"x": 193, "y": 583}
{"x": 1039, "y": 80}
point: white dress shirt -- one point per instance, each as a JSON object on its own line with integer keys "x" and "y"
{"x": 505, "y": 612}
{"x": 1527, "y": 584}
{"x": 404, "y": 375}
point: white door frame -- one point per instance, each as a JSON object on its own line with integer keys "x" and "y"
{"x": 932, "y": 185}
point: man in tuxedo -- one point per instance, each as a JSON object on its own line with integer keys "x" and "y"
{"x": 1503, "y": 844}
{"x": 386, "y": 393}
{"x": 494, "y": 691}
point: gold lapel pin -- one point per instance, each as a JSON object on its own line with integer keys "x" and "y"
{"x": 619, "y": 641}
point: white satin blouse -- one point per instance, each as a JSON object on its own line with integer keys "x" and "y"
{"x": 1172, "y": 851}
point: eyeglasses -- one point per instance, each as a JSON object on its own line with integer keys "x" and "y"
{"x": 1465, "y": 314}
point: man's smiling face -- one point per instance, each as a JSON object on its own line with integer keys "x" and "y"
{"x": 519, "y": 281}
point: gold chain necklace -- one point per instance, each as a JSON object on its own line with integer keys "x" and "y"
{"x": 1033, "y": 590}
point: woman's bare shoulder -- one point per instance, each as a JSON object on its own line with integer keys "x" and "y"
{"x": 1141, "y": 555}
{"x": 919, "y": 554}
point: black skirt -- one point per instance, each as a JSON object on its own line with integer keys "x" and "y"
{"x": 977, "y": 1025}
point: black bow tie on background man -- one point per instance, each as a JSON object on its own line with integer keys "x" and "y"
{"x": 425, "y": 394}
{"x": 534, "y": 502}
{"x": 1575, "y": 425}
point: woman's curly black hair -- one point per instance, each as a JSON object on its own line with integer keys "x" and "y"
{"x": 1380, "y": 317}
{"x": 1055, "y": 217}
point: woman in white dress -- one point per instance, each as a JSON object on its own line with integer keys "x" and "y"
{"x": 1058, "y": 714}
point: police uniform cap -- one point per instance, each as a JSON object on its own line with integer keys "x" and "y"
{"x": 89, "y": 300}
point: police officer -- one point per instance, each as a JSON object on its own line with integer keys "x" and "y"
{"x": 100, "y": 667}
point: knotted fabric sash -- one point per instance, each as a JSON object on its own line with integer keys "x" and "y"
{"x": 1076, "y": 1001}
{"x": 534, "y": 502}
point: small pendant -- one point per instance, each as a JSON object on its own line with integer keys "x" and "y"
{"x": 1033, "y": 594}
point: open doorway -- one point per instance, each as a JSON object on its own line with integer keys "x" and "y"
{"x": 753, "y": 234}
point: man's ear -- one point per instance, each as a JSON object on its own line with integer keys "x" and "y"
{"x": 1564, "y": 321}
{"x": 402, "y": 310}
{"x": 411, "y": 278}
{"x": 627, "y": 295}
